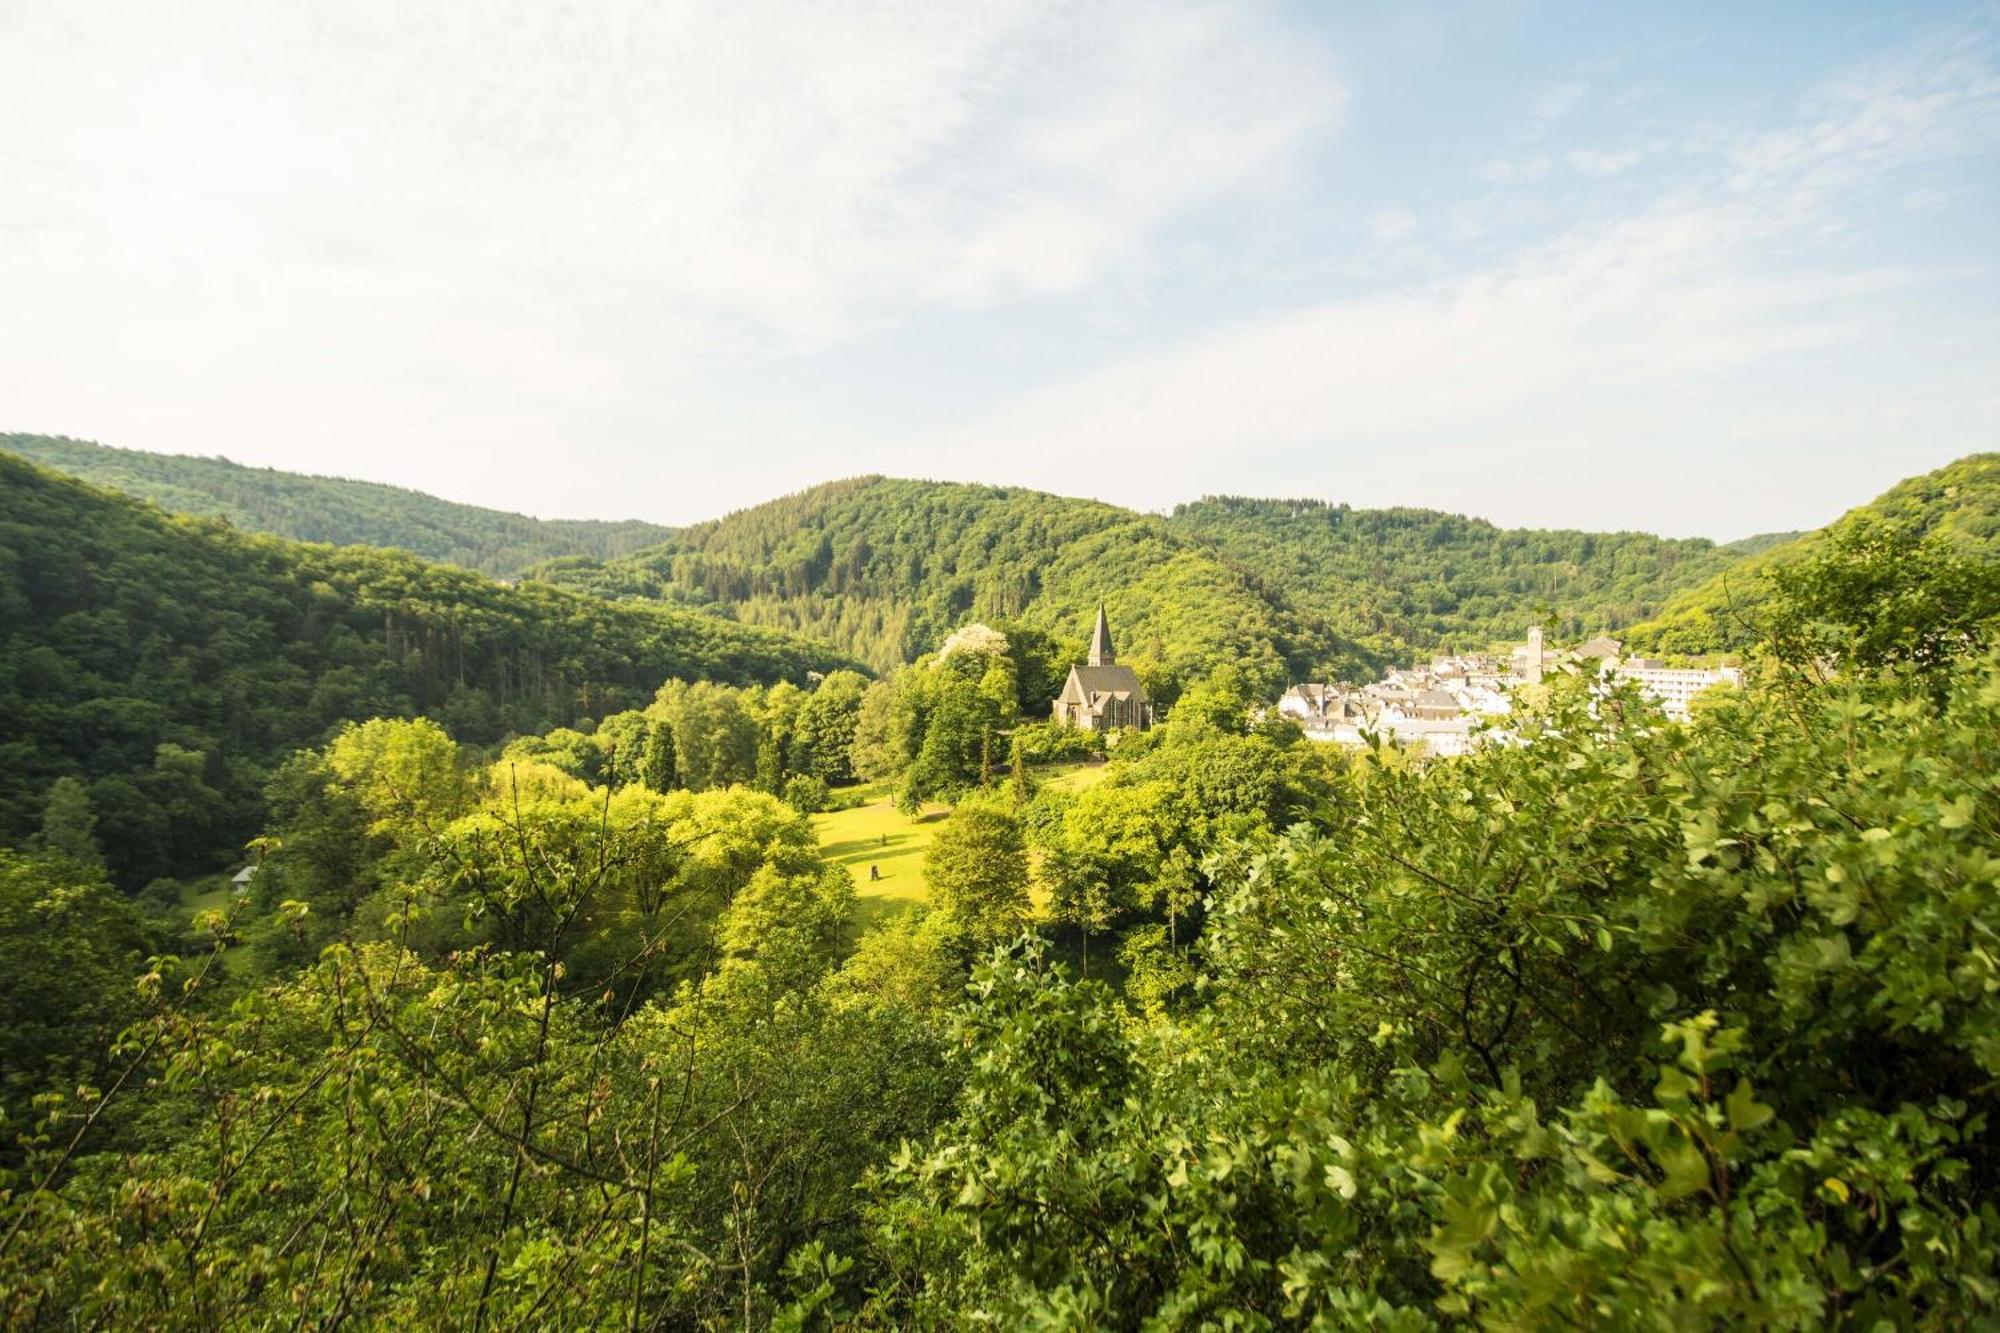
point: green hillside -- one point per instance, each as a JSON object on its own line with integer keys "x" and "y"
{"x": 169, "y": 661}
{"x": 1400, "y": 578}
{"x": 1227, "y": 1026}
{"x": 332, "y": 509}
{"x": 1959, "y": 503}
{"x": 885, "y": 568}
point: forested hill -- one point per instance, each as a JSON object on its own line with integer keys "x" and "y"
{"x": 169, "y": 661}
{"x": 1399, "y": 578}
{"x": 885, "y": 568}
{"x": 332, "y": 509}
{"x": 1959, "y": 504}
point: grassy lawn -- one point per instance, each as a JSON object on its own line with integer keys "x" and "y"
{"x": 1072, "y": 777}
{"x": 202, "y": 895}
{"x": 879, "y": 835}
{"x": 216, "y": 893}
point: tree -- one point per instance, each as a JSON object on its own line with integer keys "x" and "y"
{"x": 770, "y": 764}
{"x": 953, "y": 707}
{"x": 1041, "y": 665}
{"x": 69, "y": 825}
{"x": 1080, "y": 895}
{"x": 806, "y": 793}
{"x": 125, "y": 629}
{"x": 1018, "y": 785}
{"x": 622, "y": 739}
{"x": 1218, "y": 702}
{"x": 715, "y": 737}
{"x": 1584, "y": 1030}
{"x": 409, "y": 776}
{"x": 656, "y": 768}
{"x": 977, "y": 869}
{"x": 875, "y": 752}
{"x": 1880, "y": 595}
{"x": 70, "y": 947}
{"x": 823, "y": 741}
{"x": 572, "y": 751}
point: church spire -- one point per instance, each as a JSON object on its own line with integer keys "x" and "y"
{"x": 1100, "y": 641}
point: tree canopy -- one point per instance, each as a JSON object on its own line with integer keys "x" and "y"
{"x": 170, "y": 663}
{"x": 1617, "y": 1021}
{"x": 336, "y": 510}
{"x": 1959, "y": 504}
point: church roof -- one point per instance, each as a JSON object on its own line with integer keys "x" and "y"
{"x": 1111, "y": 679}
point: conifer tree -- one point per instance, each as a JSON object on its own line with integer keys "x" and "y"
{"x": 1017, "y": 773}
{"x": 656, "y": 768}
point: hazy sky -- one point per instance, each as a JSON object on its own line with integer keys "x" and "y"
{"x": 1695, "y": 268}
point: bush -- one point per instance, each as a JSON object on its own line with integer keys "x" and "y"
{"x": 1626, "y": 1025}
{"x": 1053, "y": 743}
{"x": 807, "y": 794}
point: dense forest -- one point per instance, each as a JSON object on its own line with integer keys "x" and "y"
{"x": 1402, "y": 579}
{"x": 169, "y": 663}
{"x": 885, "y": 569}
{"x": 335, "y": 510}
{"x": 1629, "y": 1023}
{"x": 1959, "y": 503}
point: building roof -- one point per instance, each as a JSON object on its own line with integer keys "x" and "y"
{"x": 1109, "y": 679}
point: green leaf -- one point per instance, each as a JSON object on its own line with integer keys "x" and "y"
{"x": 1685, "y": 1167}
{"x": 1745, "y": 1111}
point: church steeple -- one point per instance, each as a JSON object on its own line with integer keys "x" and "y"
{"x": 1100, "y": 641}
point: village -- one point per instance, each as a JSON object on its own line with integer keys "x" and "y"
{"x": 1449, "y": 706}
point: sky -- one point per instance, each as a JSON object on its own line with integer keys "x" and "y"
{"x": 1693, "y": 268}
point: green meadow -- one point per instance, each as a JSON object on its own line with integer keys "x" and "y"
{"x": 876, "y": 834}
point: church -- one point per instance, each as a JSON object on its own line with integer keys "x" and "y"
{"x": 1101, "y": 695}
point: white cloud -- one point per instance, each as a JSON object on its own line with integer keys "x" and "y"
{"x": 1557, "y": 385}
{"x": 721, "y": 175}
{"x": 1942, "y": 97}
{"x": 1556, "y": 102}
{"x": 1595, "y": 162}
{"x": 444, "y": 243}
{"x": 1394, "y": 223}
{"x": 1516, "y": 171}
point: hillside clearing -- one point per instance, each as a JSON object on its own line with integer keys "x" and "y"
{"x": 875, "y": 833}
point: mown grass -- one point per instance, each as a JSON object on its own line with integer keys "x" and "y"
{"x": 211, "y": 893}
{"x": 1072, "y": 777}
{"x": 214, "y": 893}
{"x": 874, "y": 834}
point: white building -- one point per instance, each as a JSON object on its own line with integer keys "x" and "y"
{"x": 1673, "y": 687}
{"x": 1441, "y": 707}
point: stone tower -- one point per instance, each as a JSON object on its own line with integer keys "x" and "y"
{"x": 1531, "y": 669}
